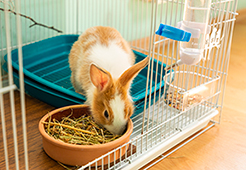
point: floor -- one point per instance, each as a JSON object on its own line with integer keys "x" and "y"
{"x": 222, "y": 148}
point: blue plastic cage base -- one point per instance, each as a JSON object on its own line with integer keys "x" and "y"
{"x": 47, "y": 74}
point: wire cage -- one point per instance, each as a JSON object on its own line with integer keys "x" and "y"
{"x": 176, "y": 104}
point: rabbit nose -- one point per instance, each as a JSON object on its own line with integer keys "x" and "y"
{"x": 118, "y": 128}
{"x": 122, "y": 130}
{"x": 125, "y": 129}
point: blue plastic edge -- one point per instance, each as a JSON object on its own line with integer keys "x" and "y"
{"x": 82, "y": 98}
{"x": 32, "y": 88}
{"x": 173, "y": 33}
{"x": 40, "y": 80}
{"x": 66, "y": 91}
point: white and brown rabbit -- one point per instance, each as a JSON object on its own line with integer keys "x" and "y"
{"x": 102, "y": 68}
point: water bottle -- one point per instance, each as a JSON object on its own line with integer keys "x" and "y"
{"x": 195, "y": 21}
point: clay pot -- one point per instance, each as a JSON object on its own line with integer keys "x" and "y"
{"x": 80, "y": 155}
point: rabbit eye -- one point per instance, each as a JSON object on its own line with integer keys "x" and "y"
{"x": 106, "y": 114}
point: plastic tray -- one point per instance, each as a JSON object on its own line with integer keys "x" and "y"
{"x": 46, "y": 70}
{"x": 46, "y": 95}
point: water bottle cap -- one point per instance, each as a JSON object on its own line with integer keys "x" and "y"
{"x": 173, "y": 33}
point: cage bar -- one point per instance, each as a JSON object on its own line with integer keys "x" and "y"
{"x": 166, "y": 119}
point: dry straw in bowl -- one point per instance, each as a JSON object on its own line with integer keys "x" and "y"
{"x": 79, "y": 131}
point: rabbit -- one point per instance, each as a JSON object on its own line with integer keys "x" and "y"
{"x": 102, "y": 68}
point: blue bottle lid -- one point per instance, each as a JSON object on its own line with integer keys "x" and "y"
{"x": 173, "y": 33}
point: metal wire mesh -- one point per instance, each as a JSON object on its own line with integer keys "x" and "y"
{"x": 167, "y": 120}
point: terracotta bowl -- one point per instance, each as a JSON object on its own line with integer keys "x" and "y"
{"x": 80, "y": 155}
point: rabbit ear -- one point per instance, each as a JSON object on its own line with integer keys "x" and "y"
{"x": 130, "y": 73}
{"x": 99, "y": 77}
